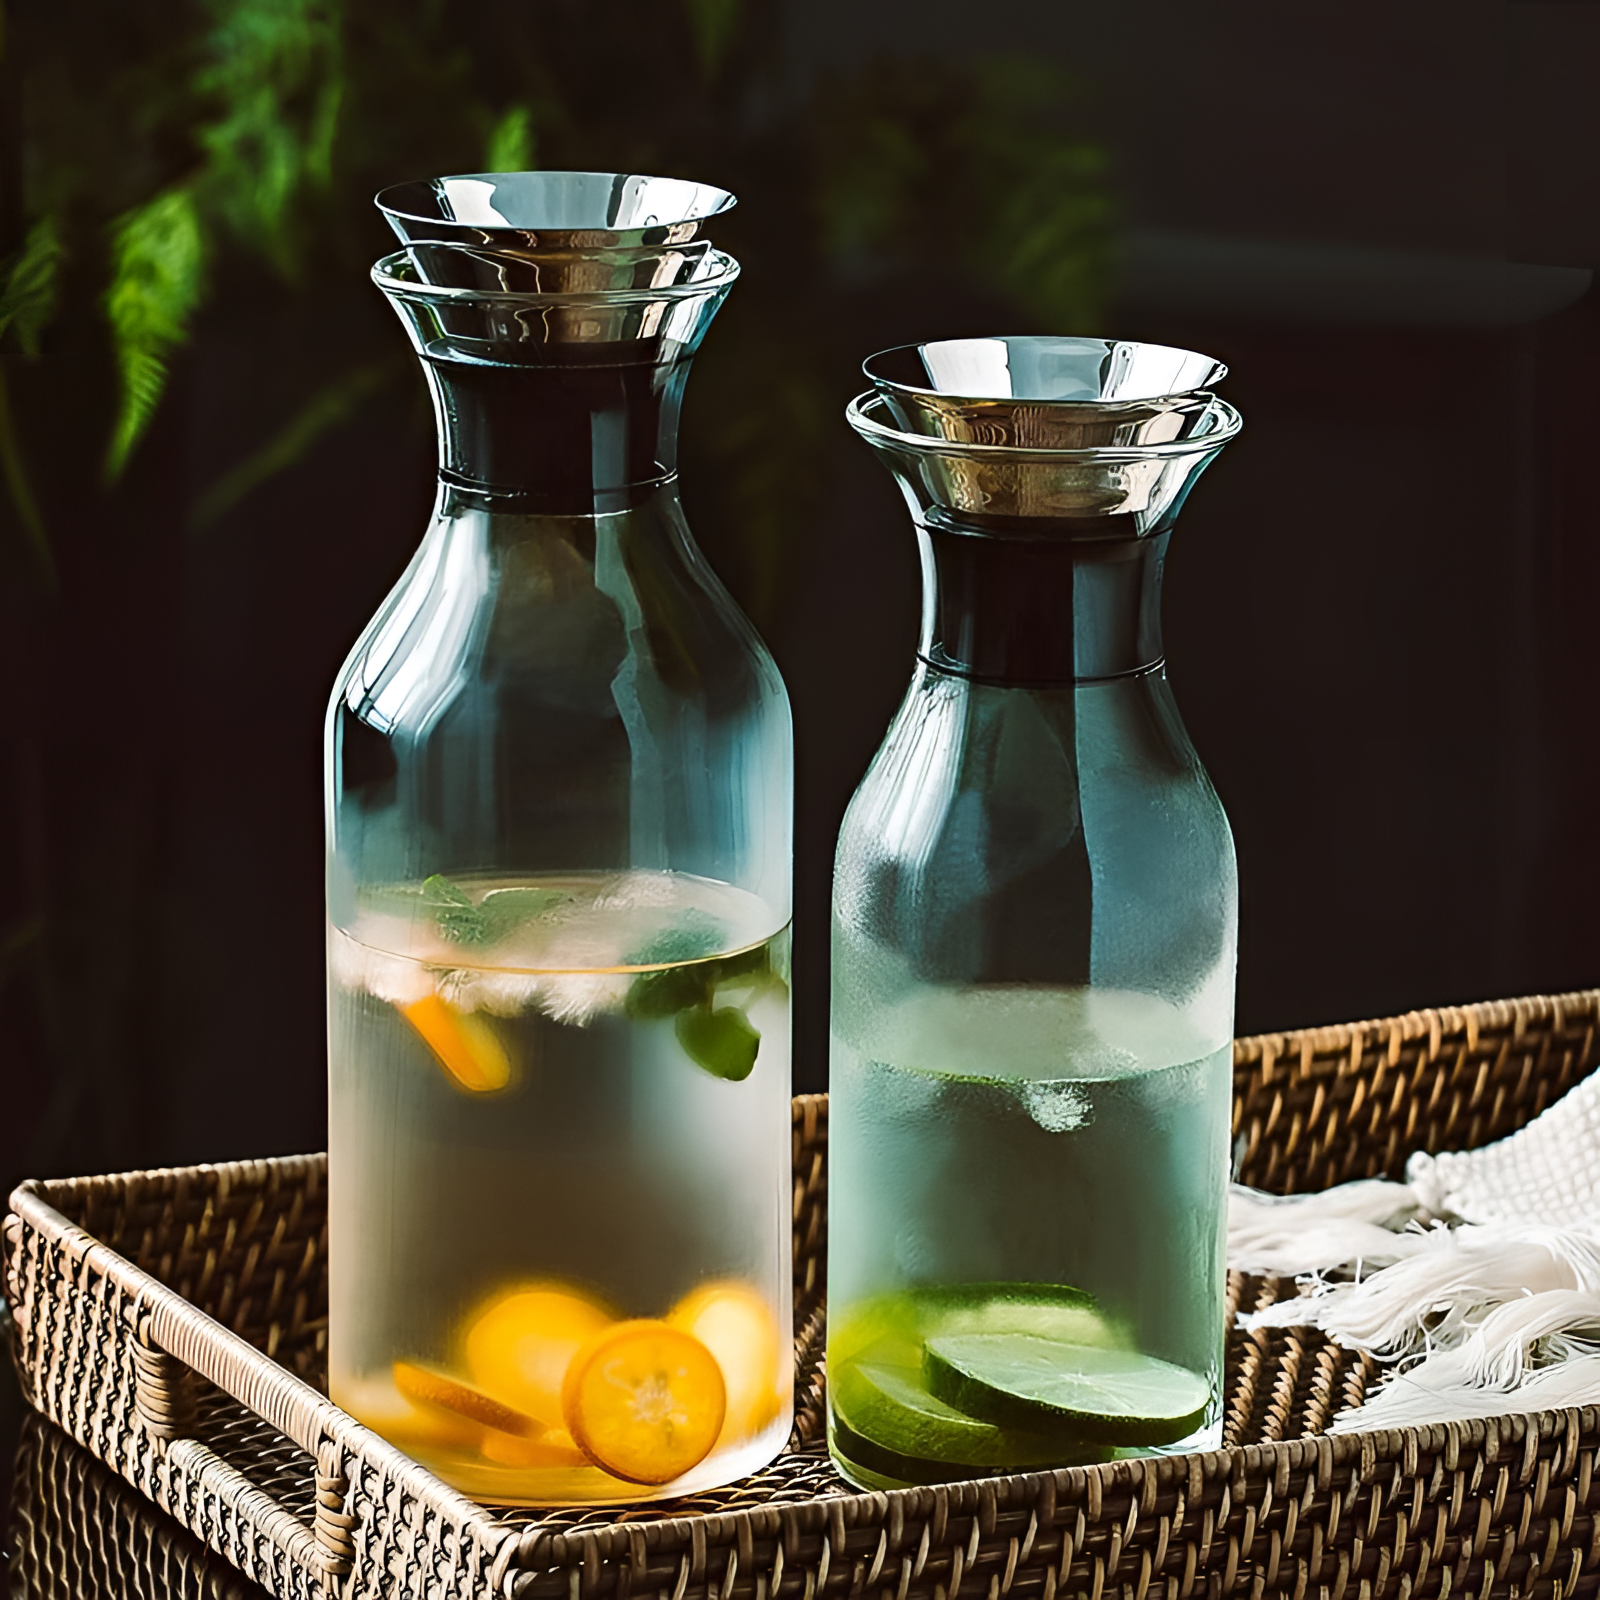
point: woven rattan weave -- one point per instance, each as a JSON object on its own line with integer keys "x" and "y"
{"x": 174, "y": 1323}
{"x": 78, "y": 1532}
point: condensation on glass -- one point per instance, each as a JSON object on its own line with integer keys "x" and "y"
{"x": 559, "y": 774}
{"x": 1034, "y": 931}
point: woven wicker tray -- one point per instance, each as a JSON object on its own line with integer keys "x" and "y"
{"x": 79, "y": 1532}
{"x": 174, "y": 1324}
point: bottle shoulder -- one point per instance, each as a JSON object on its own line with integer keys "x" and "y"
{"x": 1039, "y": 837}
{"x": 1043, "y": 753}
{"x": 991, "y": 804}
{"x": 539, "y": 609}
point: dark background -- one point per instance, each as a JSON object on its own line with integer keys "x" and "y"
{"x": 1379, "y": 602}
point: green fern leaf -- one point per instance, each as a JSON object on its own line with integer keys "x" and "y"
{"x": 158, "y": 252}
{"x": 276, "y": 76}
{"x": 510, "y": 146}
{"x": 28, "y": 300}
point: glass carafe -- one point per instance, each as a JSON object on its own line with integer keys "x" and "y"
{"x": 1034, "y": 930}
{"x": 559, "y": 871}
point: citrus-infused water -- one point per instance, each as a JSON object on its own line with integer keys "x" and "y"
{"x": 559, "y": 1181}
{"x": 1034, "y": 1272}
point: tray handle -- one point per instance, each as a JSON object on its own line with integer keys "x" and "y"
{"x": 171, "y": 1340}
{"x": 163, "y": 1389}
{"x": 163, "y": 1397}
{"x": 165, "y": 1404}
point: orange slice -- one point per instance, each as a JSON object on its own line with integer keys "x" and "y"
{"x": 520, "y": 1345}
{"x": 425, "y": 1386}
{"x": 735, "y": 1323}
{"x": 464, "y": 1044}
{"x": 554, "y": 1449}
{"x": 645, "y": 1401}
{"x": 408, "y": 1427}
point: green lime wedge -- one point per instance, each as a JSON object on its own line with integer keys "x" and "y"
{"x": 1019, "y": 1380}
{"x": 886, "y": 1422}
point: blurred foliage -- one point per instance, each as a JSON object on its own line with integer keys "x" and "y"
{"x": 260, "y": 128}
{"x": 157, "y": 251}
{"x": 179, "y": 174}
{"x": 951, "y": 167}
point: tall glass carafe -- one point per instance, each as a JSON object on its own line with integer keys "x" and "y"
{"x": 1034, "y": 933}
{"x": 559, "y": 862}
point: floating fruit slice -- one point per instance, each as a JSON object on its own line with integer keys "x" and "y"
{"x": 411, "y": 1428}
{"x": 734, "y": 1322}
{"x": 895, "y": 1324}
{"x": 645, "y": 1401}
{"x": 464, "y": 1044}
{"x": 1020, "y": 1380}
{"x": 520, "y": 1345}
{"x": 900, "y": 1430}
{"x": 426, "y": 1386}
{"x": 554, "y": 1449}
{"x": 1044, "y": 1310}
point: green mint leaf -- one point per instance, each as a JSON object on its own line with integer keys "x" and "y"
{"x": 669, "y": 991}
{"x": 694, "y": 937}
{"x": 723, "y": 1042}
{"x": 744, "y": 963}
{"x": 458, "y": 918}
{"x": 503, "y": 911}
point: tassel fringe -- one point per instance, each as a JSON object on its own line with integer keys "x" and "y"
{"x": 1479, "y": 1277}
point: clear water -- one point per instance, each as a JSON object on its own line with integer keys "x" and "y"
{"x": 596, "y": 1148}
{"x": 1033, "y": 1134}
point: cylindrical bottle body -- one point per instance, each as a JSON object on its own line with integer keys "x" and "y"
{"x": 559, "y": 825}
{"x": 1033, "y": 960}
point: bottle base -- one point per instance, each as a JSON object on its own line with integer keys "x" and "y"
{"x": 590, "y": 1486}
{"x": 892, "y": 1472}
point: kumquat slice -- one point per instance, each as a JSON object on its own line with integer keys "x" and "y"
{"x": 645, "y": 1401}
{"x": 734, "y": 1322}
{"x": 462, "y": 1042}
{"x": 426, "y": 1386}
{"x": 554, "y": 1449}
{"x": 520, "y": 1345}
{"x": 410, "y": 1427}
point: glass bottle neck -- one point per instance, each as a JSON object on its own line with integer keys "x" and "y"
{"x": 588, "y": 434}
{"x": 1036, "y": 602}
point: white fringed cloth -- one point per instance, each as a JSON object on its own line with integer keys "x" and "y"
{"x": 1478, "y": 1277}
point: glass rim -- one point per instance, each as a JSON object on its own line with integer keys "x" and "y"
{"x": 875, "y": 432}
{"x": 384, "y": 275}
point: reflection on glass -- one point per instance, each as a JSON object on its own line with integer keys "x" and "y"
{"x": 1034, "y": 928}
{"x": 559, "y": 778}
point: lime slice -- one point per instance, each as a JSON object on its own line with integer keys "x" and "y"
{"x": 875, "y": 1467}
{"x": 1022, "y": 1381}
{"x": 886, "y": 1421}
{"x": 1067, "y": 1321}
{"x": 906, "y": 1317}
{"x": 1018, "y": 1293}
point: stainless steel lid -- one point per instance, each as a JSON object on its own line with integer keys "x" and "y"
{"x": 1045, "y": 393}
{"x": 1046, "y": 427}
{"x": 605, "y": 255}
{"x": 552, "y": 211}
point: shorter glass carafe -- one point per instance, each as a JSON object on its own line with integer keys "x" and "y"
{"x": 1034, "y": 930}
